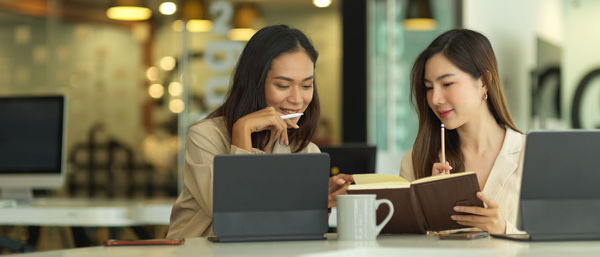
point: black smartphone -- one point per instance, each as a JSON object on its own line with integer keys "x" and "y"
{"x": 468, "y": 235}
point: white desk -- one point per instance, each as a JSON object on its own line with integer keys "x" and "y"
{"x": 398, "y": 245}
{"x": 88, "y": 213}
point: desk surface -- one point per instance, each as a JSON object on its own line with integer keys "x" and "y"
{"x": 88, "y": 212}
{"x": 396, "y": 245}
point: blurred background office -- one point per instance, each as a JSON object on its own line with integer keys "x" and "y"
{"x": 137, "y": 78}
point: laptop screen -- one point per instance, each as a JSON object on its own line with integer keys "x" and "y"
{"x": 270, "y": 197}
{"x": 560, "y": 196}
{"x": 562, "y": 165}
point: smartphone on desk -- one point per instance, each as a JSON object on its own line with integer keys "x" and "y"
{"x": 467, "y": 235}
{"x": 113, "y": 242}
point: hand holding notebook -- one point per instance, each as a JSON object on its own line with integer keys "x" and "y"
{"x": 487, "y": 218}
{"x": 426, "y": 204}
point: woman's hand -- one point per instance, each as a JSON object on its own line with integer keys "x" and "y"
{"x": 264, "y": 119}
{"x": 338, "y": 185}
{"x": 487, "y": 218}
{"x": 440, "y": 168}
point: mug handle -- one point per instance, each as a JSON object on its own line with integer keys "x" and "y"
{"x": 389, "y": 216}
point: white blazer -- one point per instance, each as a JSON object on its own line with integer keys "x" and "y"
{"x": 504, "y": 182}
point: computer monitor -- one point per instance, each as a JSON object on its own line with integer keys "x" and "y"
{"x": 351, "y": 158}
{"x": 32, "y": 144}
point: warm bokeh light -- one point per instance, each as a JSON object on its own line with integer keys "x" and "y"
{"x": 176, "y": 105}
{"x": 152, "y": 73}
{"x": 140, "y": 31}
{"x": 419, "y": 24}
{"x": 240, "y": 34}
{"x": 167, "y": 8}
{"x": 322, "y": 3}
{"x": 175, "y": 88}
{"x": 167, "y": 63}
{"x": 156, "y": 91}
{"x": 129, "y": 13}
{"x": 199, "y": 25}
{"x": 192, "y": 25}
{"x": 177, "y": 25}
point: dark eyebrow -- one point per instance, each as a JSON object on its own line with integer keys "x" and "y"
{"x": 441, "y": 77}
{"x": 291, "y": 80}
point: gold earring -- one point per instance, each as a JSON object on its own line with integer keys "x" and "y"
{"x": 485, "y": 96}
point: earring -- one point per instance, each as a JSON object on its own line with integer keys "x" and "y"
{"x": 485, "y": 96}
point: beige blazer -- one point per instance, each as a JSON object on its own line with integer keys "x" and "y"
{"x": 191, "y": 215}
{"x": 504, "y": 182}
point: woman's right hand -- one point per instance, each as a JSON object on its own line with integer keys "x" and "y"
{"x": 267, "y": 118}
{"x": 338, "y": 185}
{"x": 440, "y": 168}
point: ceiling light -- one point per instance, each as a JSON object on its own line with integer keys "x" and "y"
{"x": 193, "y": 12}
{"x": 244, "y": 17}
{"x": 128, "y": 10}
{"x": 167, "y": 8}
{"x": 322, "y": 3}
{"x": 418, "y": 16}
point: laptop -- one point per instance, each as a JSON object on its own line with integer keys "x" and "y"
{"x": 560, "y": 192}
{"x": 270, "y": 197}
{"x": 351, "y": 158}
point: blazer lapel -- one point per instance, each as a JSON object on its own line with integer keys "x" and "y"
{"x": 506, "y": 163}
{"x": 278, "y": 148}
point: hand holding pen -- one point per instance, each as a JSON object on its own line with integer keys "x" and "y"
{"x": 442, "y": 167}
{"x": 265, "y": 119}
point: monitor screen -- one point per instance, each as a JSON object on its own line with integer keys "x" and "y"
{"x": 351, "y": 158}
{"x": 31, "y": 134}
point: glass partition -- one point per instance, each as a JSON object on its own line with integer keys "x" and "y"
{"x": 134, "y": 87}
{"x": 392, "y": 50}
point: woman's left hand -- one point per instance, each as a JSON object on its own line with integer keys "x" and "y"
{"x": 338, "y": 185}
{"x": 487, "y": 218}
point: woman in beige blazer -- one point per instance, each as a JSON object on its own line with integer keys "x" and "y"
{"x": 455, "y": 82}
{"x": 274, "y": 77}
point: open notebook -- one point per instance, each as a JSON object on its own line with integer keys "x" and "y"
{"x": 425, "y": 204}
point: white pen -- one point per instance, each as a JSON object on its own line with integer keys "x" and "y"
{"x": 293, "y": 115}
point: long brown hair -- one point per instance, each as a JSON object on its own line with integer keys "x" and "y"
{"x": 247, "y": 93}
{"x": 472, "y": 53}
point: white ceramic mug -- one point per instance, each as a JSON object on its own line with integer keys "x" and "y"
{"x": 356, "y": 217}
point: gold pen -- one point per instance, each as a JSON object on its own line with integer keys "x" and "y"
{"x": 443, "y": 145}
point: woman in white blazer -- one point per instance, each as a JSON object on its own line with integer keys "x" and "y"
{"x": 455, "y": 81}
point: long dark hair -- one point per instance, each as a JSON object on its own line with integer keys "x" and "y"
{"x": 472, "y": 53}
{"x": 247, "y": 93}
